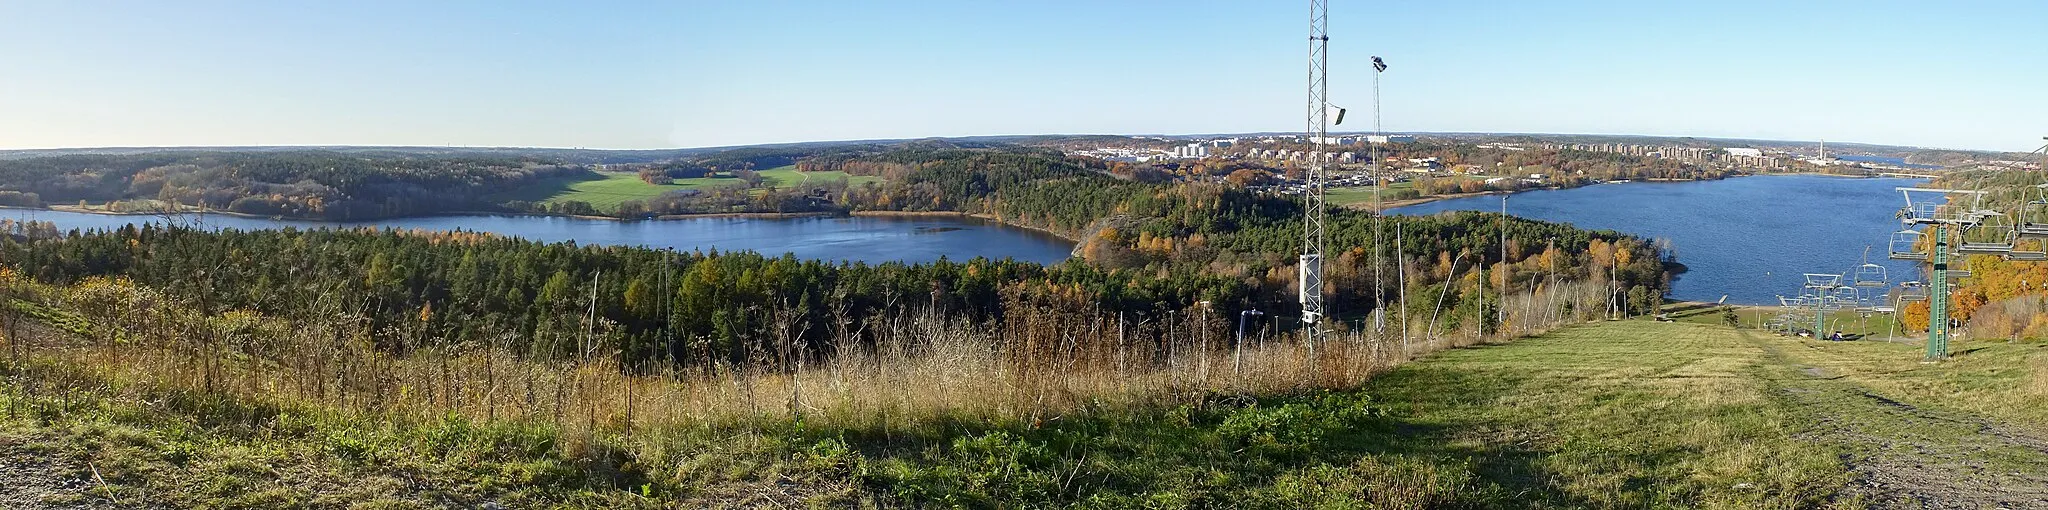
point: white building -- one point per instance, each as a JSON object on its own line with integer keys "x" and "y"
{"x": 1386, "y": 139}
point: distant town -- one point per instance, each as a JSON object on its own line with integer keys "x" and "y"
{"x": 1423, "y": 164}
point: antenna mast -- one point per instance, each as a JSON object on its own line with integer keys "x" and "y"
{"x": 1312, "y": 238}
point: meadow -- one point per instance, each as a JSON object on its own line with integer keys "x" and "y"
{"x": 606, "y": 192}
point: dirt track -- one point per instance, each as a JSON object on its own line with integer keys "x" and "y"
{"x": 1904, "y": 456}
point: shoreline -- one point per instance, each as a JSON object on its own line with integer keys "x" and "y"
{"x": 956, "y": 214}
{"x": 666, "y": 217}
{"x": 1396, "y": 204}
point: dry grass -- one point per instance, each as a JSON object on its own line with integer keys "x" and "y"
{"x": 1033, "y": 367}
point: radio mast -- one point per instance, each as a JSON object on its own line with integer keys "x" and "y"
{"x": 1312, "y": 238}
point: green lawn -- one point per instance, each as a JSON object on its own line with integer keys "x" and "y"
{"x": 1360, "y": 195}
{"x": 606, "y": 192}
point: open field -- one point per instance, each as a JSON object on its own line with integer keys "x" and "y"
{"x": 605, "y": 193}
{"x": 1363, "y": 194}
{"x": 1611, "y": 414}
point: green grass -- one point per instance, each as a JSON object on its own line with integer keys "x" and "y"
{"x": 1363, "y": 194}
{"x": 606, "y": 191}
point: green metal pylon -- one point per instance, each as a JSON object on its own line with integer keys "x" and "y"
{"x": 1820, "y": 319}
{"x": 1937, "y": 299}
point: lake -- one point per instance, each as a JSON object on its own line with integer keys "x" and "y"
{"x": 1749, "y": 238}
{"x": 859, "y": 238}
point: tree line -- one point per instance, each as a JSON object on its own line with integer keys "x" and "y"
{"x": 300, "y": 184}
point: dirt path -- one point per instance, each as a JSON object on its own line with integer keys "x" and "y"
{"x": 1908, "y": 456}
{"x": 31, "y": 480}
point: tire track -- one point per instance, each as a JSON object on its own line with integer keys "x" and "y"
{"x": 1908, "y": 456}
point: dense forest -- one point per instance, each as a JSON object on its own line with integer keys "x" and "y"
{"x": 547, "y": 300}
{"x": 304, "y": 184}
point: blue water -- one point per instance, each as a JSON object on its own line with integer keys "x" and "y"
{"x": 1749, "y": 238}
{"x": 865, "y": 239}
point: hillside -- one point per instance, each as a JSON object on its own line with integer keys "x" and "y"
{"x": 1604, "y": 415}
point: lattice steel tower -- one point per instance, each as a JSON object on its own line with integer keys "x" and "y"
{"x": 1312, "y": 237}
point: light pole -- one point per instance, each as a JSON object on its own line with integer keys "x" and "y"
{"x": 1204, "y": 353}
{"x": 1237, "y": 358}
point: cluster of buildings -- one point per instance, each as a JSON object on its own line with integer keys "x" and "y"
{"x": 1195, "y": 150}
{"x": 2007, "y": 163}
{"x": 1372, "y": 139}
{"x": 1292, "y": 155}
{"x": 1740, "y": 157}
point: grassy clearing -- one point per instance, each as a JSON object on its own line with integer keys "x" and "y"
{"x": 2005, "y": 382}
{"x": 1615, "y": 414}
{"x": 610, "y": 188}
{"x": 1363, "y": 194}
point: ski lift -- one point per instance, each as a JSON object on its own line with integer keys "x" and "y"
{"x": 1905, "y": 245}
{"x": 1823, "y": 280}
{"x": 1871, "y": 275}
{"x": 1848, "y": 294}
{"x": 1836, "y": 303}
{"x": 2032, "y": 224}
{"x": 1912, "y": 291}
{"x": 1998, "y": 242}
{"x": 2026, "y": 255}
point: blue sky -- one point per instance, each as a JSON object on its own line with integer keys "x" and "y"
{"x": 686, "y": 74}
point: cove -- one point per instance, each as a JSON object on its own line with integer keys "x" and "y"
{"x": 1749, "y": 238}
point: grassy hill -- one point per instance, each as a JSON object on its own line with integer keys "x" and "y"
{"x": 1625, "y": 414}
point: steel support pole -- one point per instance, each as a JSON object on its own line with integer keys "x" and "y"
{"x": 1937, "y": 299}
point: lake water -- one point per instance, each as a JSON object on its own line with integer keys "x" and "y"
{"x": 1749, "y": 238}
{"x": 865, "y": 239}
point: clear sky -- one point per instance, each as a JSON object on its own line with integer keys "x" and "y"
{"x": 79, "y": 73}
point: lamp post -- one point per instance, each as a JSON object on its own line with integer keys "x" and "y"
{"x": 1237, "y": 358}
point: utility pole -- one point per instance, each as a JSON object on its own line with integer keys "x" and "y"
{"x": 1237, "y": 358}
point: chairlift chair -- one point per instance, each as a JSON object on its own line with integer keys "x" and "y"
{"x": 1905, "y": 245}
{"x": 2032, "y": 231}
{"x": 1823, "y": 280}
{"x": 1852, "y": 295}
{"x": 1999, "y": 242}
{"x": 1871, "y": 275}
{"x": 1912, "y": 291}
{"x": 2033, "y": 217}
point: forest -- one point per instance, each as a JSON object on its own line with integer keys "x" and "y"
{"x": 302, "y": 184}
